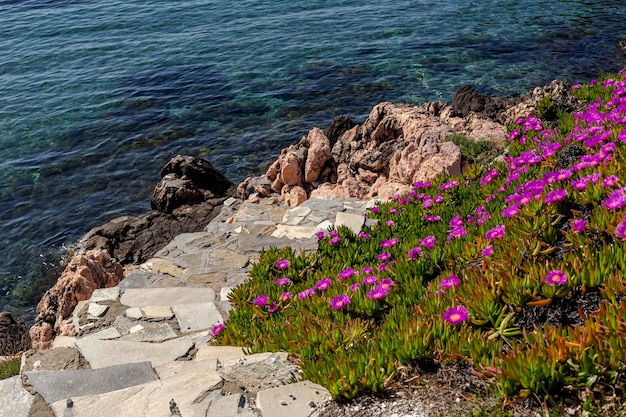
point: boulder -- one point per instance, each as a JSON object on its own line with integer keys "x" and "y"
{"x": 466, "y": 100}
{"x": 14, "y": 336}
{"x": 84, "y": 273}
{"x": 188, "y": 180}
{"x": 317, "y": 155}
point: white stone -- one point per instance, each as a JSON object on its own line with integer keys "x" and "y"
{"x": 140, "y": 297}
{"x": 64, "y": 341}
{"x": 105, "y": 294}
{"x": 292, "y": 400}
{"x": 230, "y": 201}
{"x": 323, "y": 226}
{"x": 294, "y": 232}
{"x": 134, "y": 313}
{"x": 353, "y": 221}
{"x": 294, "y": 216}
{"x": 222, "y": 353}
{"x": 15, "y": 400}
{"x": 96, "y": 310}
{"x": 178, "y": 368}
{"x": 106, "y": 334}
{"x": 136, "y": 328}
{"x": 192, "y": 317}
{"x": 224, "y": 293}
{"x": 158, "y": 312}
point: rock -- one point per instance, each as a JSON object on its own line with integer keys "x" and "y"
{"x": 466, "y": 100}
{"x": 14, "y": 336}
{"x": 291, "y": 169}
{"x": 83, "y": 274}
{"x": 20, "y": 400}
{"x": 424, "y": 160}
{"x": 338, "y": 127}
{"x": 293, "y": 196}
{"x": 141, "y": 297}
{"x": 622, "y": 44}
{"x": 259, "y": 371}
{"x": 198, "y": 316}
{"x": 317, "y": 155}
{"x": 294, "y": 400}
{"x": 201, "y": 173}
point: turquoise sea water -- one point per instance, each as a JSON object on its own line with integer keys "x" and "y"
{"x": 95, "y": 96}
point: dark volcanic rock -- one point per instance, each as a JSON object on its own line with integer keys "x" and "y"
{"x": 467, "y": 100}
{"x": 337, "y": 128}
{"x": 13, "y": 335}
{"x": 188, "y": 180}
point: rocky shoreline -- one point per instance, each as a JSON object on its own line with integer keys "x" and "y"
{"x": 397, "y": 145}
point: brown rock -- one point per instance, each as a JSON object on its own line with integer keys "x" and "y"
{"x": 172, "y": 192}
{"x": 85, "y": 273}
{"x": 291, "y": 169}
{"x": 388, "y": 190}
{"x": 317, "y": 155}
{"x": 13, "y": 335}
{"x": 293, "y": 195}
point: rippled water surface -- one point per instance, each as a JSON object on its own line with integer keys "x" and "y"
{"x": 95, "y": 96}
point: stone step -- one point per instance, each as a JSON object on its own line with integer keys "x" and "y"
{"x": 54, "y": 386}
{"x": 168, "y": 296}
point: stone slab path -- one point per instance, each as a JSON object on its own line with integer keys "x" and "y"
{"x": 143, "y": 348}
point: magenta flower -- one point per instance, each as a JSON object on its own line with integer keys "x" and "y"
{"x": 285, "y": 296}
{"x": 389, "y": 223}
{"x": 455, "y": 315}
{"x": 393, "y": 210}
{"x": 497, "y": 232}
{"x": 620, "y": 229}
{"x": 555, "y": 195}
{"x": 320, "y": 234}
{"x": 385, "y": 284}
{"x": 306, "y": 293}
{"x": 449, "y": 185}
{"x": 282, "y": 281}
{"x": 340, "y": 301}
{"x": 432, "y": 218}
{"x": 579, "y": 225}
{"x": 382, "y": 267}
{"x": 415, "y": 252}
{"x": 355, "y": 286}
{"x": 346, "y": 273}
{"x": 334, "y": 240}
{"x": 510, "y": 211}
{"x": 282, "y": 264}
{"x": 610, "y": 181}
{"x": 217, "y": 329}
{"x": 487, "y": 252}
{"x": 367, "y": 270}
{"x": 261, "y": 300}
{"x": 377, "y": 293}
{"x": 374, "y": 209}
{"x": 272, "y": 307}
{"x": 323, "y": 284}
{"x": 370, "y": 280}
{"x": 428, "y": 242}
{"x": 363, "y": 235}
{"x": 450, "y": 282}
{"x": 382, "y": 257}
{"x": 333, "y": 233}
{"x": 556, "y": 277}
{"x": 616, "y": 200}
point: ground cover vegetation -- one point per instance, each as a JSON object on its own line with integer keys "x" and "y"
{"x": 514, "y": 269}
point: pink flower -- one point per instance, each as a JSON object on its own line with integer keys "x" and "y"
{"x": 579, "y": 225}
{"x": 272, "y": 307}
{"x": 610, "y": 181}
{"x": 334, "y": 240}
{"x": 355, "y": 286}
{"x": 382, "y": 257}
{"x": 450, "y": 282}
{"x": 374, "y": 209}
{"x": 367, "y": 270}
{"x": 415, "y": 252}
{"x": 388, "y": 243}
{"x": 285, "y": 296}
{"x": 389, "y": 223}
{"x": 261, "y": 300}
{"x": 497, "y": 232}
{"x": 346, "y": 273}
{"x": 363, "y": 235}
{"x": 370, "y": 280}
{"x": 385, "y": 284}
{"x": 510, "y": 211}
{"x": 323, "y": 284}
{"x": 377, "y": 293}
{"x": 282, "y": 264}
{"x": 455, "y": 315}
{"x": 555, "y": 195}
{"x": 620, "y": 229}
{"x": 320, "y": 234}
{"x": 487, "y": 252}
{"x": 428, "y": 242}
{"x": 556, "y": 277}
{"x": 616, "y": 200}
{"x": 217, "y": 329}
{"x": 282, "y": 281}
{"x": 306, "y": 293}
{"x": 340, "y": 301}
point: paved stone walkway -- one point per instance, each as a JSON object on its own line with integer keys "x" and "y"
{"x": 144, "y": 347}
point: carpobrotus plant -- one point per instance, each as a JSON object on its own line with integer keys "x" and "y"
{"x": 516, "y": 268}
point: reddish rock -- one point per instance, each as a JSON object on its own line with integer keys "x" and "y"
{"x": 85, "y": 273}
{"x": 291, "y": 169}
{"x": 317, "y": 155}
{"x": 293, "y": 195}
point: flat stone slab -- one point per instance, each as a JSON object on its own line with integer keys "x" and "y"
{"x": 208, "y": 278}
{"x": 151, "y": 332}
{"x": 140, "y": 297}
{"x": 178, "y": 368}
{"x": 16, "y": 401}
{"x": 96, "y": 310}
{"x": 158, "y": 312}
{"x": 294, "y": 400}
{"x": 105, "y": 294}
{"x": 192, "y": 317}
{"x": 163, "y": 266}
{"x": 221, "y": 353}
{"x": 134, "y": 313}
{"x": 106, "y": 334}
{"x": 139, "y": 279}
{"x": 226, "y": 259}
{"x": 353, "y": 221}
{"x": 259, "y": 371}
{"x": 189, "y": 392}
{"x": 59, "y": 385}
{"x": 232, "y": 405}
{"x": 103, "y": 353}
{"x": 294, "y": 232}
{"x": 294, "y": 216}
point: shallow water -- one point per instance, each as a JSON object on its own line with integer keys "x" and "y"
{"x": 96, "y": 96}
